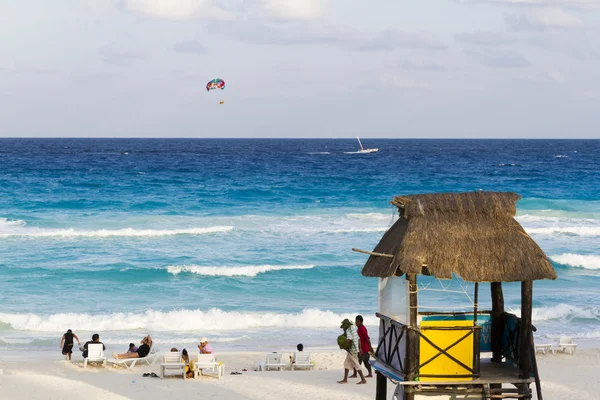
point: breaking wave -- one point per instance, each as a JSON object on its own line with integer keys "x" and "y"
{"x": 105, "y": 233}
{"x": 577, "y": 260}
{"x": 248, "y": 270}
{"x": 177, "y": 321}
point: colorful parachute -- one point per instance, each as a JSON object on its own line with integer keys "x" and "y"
{"x": 215, "y": 84}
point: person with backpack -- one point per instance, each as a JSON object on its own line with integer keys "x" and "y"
{"x": 351, "y": 345}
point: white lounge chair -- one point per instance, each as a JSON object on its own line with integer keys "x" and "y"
{"x": 302, "y": 361}
{"x": 172, "y": 365}
{"x": 543, "y": 348}
{"x": 150, "y": 359}
{"x": 95, "y": 353}
{"x": 566, "y": 345}
{"x": 273, "y": 362}
{"x": 208, "y": 361}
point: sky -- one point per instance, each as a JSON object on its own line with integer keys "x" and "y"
{"x": 300, "y": 68}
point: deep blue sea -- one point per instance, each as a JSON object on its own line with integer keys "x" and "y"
{"x": 249, "y": 241}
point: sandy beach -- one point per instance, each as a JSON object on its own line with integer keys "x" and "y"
{"x": 563, "y": 377}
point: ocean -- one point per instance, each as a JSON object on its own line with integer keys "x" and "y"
{"x": 248, "y": 241}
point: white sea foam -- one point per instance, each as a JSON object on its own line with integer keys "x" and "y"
{"x": 105, "y": 233}
{"x": 577, "y": 260}
{"x": 247, "y": 270}
{"x": 5, "y": 222}
{"x": 212, "y": 320}
{"x": 318, "y": 152}
{"x": 353, "y": 230}
{"x": 561, "y": 312}
{"x": 571, "y": 230}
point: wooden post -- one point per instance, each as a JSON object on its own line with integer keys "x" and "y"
{"x": 381, "y": 386}
{"x": 497, "y": 321}
{"x": 412, "y": 339}
{"x": 525, "y": 334}
{"x": 476, "y": 332}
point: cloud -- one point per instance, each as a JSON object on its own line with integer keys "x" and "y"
{"x": 280, "y": 33}
{"x": 28, "y": 69}
{"x": 499, "y": 59}
{"x": 189, "y": 47}
{"x": 402, "y": 83}
{"x": 420, "y": 65}
{"x": 574, "y": 4}
{"x": 227, "y": 9}
{"x": 543, "y": 19}
{"x": 482, "y": 38}
{"x": 574, "y": 45}
{"x": 178, "y": 10}
{"x": 111, "y": 55}
{"x": 392, "y": 39}
{"x": 294, "y": 9}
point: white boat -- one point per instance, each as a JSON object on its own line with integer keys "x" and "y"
{"x": 362, "y": 149}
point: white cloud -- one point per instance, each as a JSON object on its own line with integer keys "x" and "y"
{"x": 484, "y": 38}
{"x": 544, "y": 18}
{"x": 499, "y": 59}
{"x": 402, "y": 83}
{"x": 178, "y": 9}
{"x": 227, "y": 9}
{"x": 294, "y": 9}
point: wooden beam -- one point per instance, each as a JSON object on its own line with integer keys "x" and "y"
{"x": 412, "y": 338}
{"x": 381, "y": 388}
{"x": 497, "y": 332}
{"x": 525, "y": 334}
{"x": 372, "y": 253}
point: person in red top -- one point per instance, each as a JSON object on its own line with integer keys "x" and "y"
{"x": 365, "y": 345}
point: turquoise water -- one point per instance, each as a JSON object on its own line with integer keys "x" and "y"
{"x": 249, "y": 241}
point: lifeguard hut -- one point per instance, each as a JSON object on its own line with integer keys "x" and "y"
{"x": 474, "y": 354}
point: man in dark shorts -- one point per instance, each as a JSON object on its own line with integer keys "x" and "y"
{"x": 365, "y": 345}
{"x": 141, "y": 352}
{"x": 95, "y": 340}
{"x": 66, "y": 344}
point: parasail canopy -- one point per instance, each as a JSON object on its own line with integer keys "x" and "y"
{"x": 215, "y": 84}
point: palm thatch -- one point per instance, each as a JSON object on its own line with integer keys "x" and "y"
{"x": 472, "y": 235}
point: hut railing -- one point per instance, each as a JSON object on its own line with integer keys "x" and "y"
{"x": 472, "y": 333}
{"x": 391, "y": 348}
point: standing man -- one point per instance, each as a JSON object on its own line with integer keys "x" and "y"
{"x": 365, "y": 345}
{"x": 66, "y": 344}
{"x": 351, "y": 346}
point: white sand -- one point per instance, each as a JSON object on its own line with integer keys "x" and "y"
{"x": 563, "y": 377}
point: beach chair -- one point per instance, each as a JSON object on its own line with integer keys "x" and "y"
{"x": 208, "y": 361}
{"x": 150, "y": 359}
{"x": 302, "y": 361}
{"x": 273, "y": 362}
{"x": 95, "y": 354}
{"x": 566, "y": 345}
{"x": 543, "y": 348}
{"x": 172, "y": 365}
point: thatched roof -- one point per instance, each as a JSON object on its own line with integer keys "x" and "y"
{"x": 472, "y": 235}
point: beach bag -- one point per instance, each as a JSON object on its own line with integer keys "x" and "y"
{"x": 343, "y": 342}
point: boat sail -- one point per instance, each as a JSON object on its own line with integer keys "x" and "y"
{"x": 362, "y": 149}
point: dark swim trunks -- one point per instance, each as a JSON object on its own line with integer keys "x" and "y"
{"x": 143, "y": 350}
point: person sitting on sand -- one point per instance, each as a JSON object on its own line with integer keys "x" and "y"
{"x": 204, "y": 347}
{"x": 351, "y": 346}
{"x": 141, "y": 352}
{"x": 66, "y": 344}
{"x": 95, "y": 340}
{"x": 189, "y": 364}
{"x": 132, "y": 348}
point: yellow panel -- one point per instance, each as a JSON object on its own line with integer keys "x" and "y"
{"x": 443, "y": 365}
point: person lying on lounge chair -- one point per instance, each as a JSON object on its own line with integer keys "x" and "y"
{"x": 141, "y": 352}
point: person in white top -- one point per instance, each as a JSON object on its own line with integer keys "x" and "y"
{"x": 351, "y": 346}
